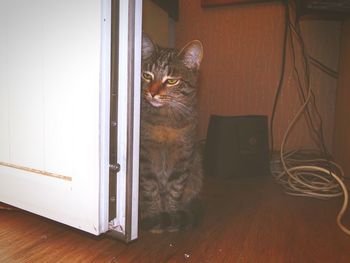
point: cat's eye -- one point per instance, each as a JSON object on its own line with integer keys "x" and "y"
{"x": 147, "y": 76}
{"x": 172, "y": 81}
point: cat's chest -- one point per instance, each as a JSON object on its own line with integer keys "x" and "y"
{"x": 164, "y": 134}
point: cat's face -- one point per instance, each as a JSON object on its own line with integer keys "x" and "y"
{"x": 167, "y": 74}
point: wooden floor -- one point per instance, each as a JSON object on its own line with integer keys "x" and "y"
{"x": 249, "y": 220}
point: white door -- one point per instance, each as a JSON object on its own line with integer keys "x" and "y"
{"x": 55, "y": 65}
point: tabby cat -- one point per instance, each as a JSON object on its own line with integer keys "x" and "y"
{"x": 170, "y": 164}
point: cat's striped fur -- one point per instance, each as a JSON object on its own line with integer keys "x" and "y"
{"x": 170, "y": 164}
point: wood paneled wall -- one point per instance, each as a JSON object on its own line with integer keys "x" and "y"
{"x": 242, "y": 64}
{"x": 342, "y": 123}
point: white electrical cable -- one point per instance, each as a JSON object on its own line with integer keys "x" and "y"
{"x": 310, "y": 180}
{"x": 317, "y": 177}
{"x": 290, "y": 176}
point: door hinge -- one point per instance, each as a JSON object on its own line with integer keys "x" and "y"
{"x": 113, "y": 171}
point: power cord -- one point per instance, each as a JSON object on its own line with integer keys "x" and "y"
{"x": 302, "y": 172}
{"x": 282, "y": 76}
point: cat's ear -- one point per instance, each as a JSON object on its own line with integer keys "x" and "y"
{"x": 192, "y": 54}
{"x": 148, "y": 46}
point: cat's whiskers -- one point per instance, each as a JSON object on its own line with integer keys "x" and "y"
{"x": 174, "y": 115}
{"x": 164, "y": 97}
{"x": 181, "y": 107}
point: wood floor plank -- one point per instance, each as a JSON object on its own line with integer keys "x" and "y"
{"x": 246, "y": 220}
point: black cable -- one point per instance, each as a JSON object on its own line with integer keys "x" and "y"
{"x": 295, "y": 27}
{"x": 281, "y": 80}
{"x": 323, "y": 67}
{"x": 309, "y": 119}
{"x": 317, "y": 131}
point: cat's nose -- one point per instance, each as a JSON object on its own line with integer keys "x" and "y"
{"x": 153, "y": 93}
{"x": 155, "y": 88}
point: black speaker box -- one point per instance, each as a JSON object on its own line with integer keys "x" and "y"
{"x": 237, "y": 146}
